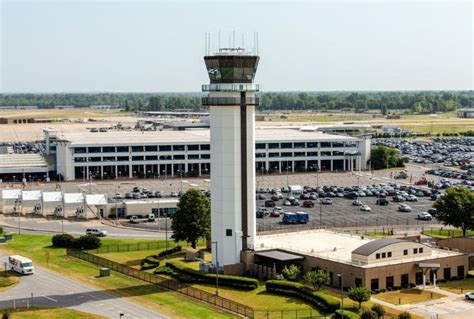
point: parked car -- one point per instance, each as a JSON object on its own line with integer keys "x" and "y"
{"x": 381, "y": 201}
{"x": 326, "y": 201}
{"x": 433, "y": 212}
{"x": 270, "y": 203}
{"x": 401, "y": 175}
{"x": 469, "y": 296}
{"x": 128, "y": 195}
{"x": 134, "y": 220}
{"x": 364, "y": 208}
{"x": 404, "y": 208}
{"x": 357, "y": 203}
{"x": 424, "y": 216}
{"x": 411, "y": 198}
{"x": 421, "y": 181}
{"x": 261, "y": 197}
{"x": 136, "y": 189}
{"x": 287, "y": 203}
{"x": 308, "y": 204}
{"x": 96, "y": 232}
{"x": 398, "y": 198}
{"x": 118, "y": 196}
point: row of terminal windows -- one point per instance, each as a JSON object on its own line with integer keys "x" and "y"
{"x": 204, "y": 147}
{"x": 299, "y": 154}
{"x": 415, "y": 251}
{"x": 271, "y": 146}
{"x": 140, "y": 158}
{"x": 141, "y": 148}
{"x": 383, "y": 255}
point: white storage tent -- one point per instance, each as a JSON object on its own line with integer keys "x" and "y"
{"x": 96, "y": 204}
{"x": 52, "y": 203}
{"x": 9, "y": 196}
{"x": 31, "y": 202}
{"x": 74, "y": 205}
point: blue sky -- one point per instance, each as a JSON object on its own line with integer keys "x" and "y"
{"x": 157, "y": 46}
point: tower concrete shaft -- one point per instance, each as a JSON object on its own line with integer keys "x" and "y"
{"x": 232, "y": 100}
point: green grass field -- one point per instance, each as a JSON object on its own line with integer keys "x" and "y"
{"x": 446, "y": 233}
{"x": 7, "y": 279}
{"x": 49, "y": 313}
{"x": 169, "y": 303}
{"x": 458, "y": 286}
{"x": 407, "y": 296}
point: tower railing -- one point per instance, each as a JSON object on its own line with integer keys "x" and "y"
{"x": 229, "y": 101}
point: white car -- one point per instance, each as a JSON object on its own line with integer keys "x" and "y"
{"x": 357, "y": 203}
{"x": 469, "y": 296}
{"x": 96, "y": 232}
{"x": 404, "y": 208}
{"x": 364, "y": 208}
{"x": 287, "y": 203}
{"x": 424, "y": 216}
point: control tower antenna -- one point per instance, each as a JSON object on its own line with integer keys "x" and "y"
{"x": 243, "y": 41}
{"x": 219, "y": 41}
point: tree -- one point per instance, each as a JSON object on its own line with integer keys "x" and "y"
{"x": 456, "y": 208}
{"x": 317, "y": 278}
{"x": 379, "y": 310}
{"x": 404, "y": 315}
{"x": 291, "y": 273}
{"x": 359, "y": 294}
{"x": 383, "y": 157}
{"x": 368, "y": 314}
{"x": 192, "y": 219}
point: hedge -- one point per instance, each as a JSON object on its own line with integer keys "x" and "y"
{"x": 149, "y": 262}
{"x": 170, "y": 251}
{"x": 224, "y": 280}
{"x": 62, "y": 240}
{"x": 319, "y": 299}
{"x": 339, "y": 314}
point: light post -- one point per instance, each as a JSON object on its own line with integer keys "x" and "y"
{"x": 341, "y": 275}
{"x": 19, "y": 208}
{"x": 287, "y": 175}
{"x": 14, "y": 179}
{"x": 116, "y": 209}
{"x": 166, "y": 229}
{"x": 217, "y": 269}
{"x": 91, "y": 177}
{"x": 180, "y": 171}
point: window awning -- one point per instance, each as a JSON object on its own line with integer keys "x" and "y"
{"x": 429, "y": 265}
{"x": 279, "y": 255}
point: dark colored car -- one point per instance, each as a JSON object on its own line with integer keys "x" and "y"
{"x": 381, "y": 201}
{"x": 308, "y": 204}
{"x": 269, "y": 203}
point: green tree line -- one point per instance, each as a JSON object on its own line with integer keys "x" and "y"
{"x": 416, "y": 102}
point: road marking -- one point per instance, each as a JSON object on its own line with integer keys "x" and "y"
{"x": 49, "y": 298}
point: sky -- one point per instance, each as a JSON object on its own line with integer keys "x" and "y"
{"x": 158, "y": 46}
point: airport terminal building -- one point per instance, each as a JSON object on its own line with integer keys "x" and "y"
{"x": 115, "y": 154}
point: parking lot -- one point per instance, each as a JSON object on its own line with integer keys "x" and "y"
{"x": 343, "y": 214}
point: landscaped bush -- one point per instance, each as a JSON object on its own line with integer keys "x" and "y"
{"x": 87, "y": 242}
{"x": 379, "y": 310}
{"x": 291, "y": 273}
{"x": 170, "y": 251}
{"x": 149, "y": 262}
{"x": 346, "y": 314}
{"x": 321, "y": 300}
{"x": 368, "y": 314}
{"x": 224, "y": 280}
{"x": 62, "y": 240}
{"x": 1, "y": 230}
{"x": 404, "y": 315}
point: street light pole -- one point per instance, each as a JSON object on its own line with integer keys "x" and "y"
{"x": 341, "y": 275}
{"x": 166, "y": 230}
{"x": 217, "y": 269}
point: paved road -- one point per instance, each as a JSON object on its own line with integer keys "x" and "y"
{"x": 39, "y": 225}
{"x": 53, "y": 290}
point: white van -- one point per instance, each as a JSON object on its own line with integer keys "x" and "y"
{"x": 21, "y": 265}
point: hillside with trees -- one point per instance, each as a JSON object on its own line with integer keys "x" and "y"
{"x": 412, "y": 102}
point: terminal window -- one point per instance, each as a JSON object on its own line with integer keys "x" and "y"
{"x": 389, "y": 254}
{"x": 420, "y": 250}
{"x": 415, "y": 250}
{"x": 405, "y": 252}
{"x": 377, "y": 256}
{"x": 228, "y": 232}
{"x": 383, "y": 255}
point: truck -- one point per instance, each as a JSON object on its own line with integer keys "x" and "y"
{"x": 290, "y": 218}
{"x": 21, "y": 265}
{"x": 302, "y": 217}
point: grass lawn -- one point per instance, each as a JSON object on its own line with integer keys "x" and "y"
{"x": 407, "y": 296}
{"x": 7, "y": 280}
{"x": 50, "y": 313}
{"x": 455, "y": 286}
{"x": 446, "y": 233}
{"x": 169, "y": 303}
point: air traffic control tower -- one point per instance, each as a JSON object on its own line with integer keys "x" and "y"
{"x": 231, "y": 100}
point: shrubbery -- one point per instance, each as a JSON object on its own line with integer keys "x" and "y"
{"x": 149, "y": 262}
{"x": 321, "y": 300}
{"x": 84, "y": 242}
{"x": 291, "y": 273}
{"x": 345, "y": 315}
{"x": 186, "y": 274}
{"x": 170, "y": 251}
{"x": 379, "y": 310}
{"x": 404, "y": 315}
{"x": 62, "y": 240}
{"x": 368, "y": 314}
